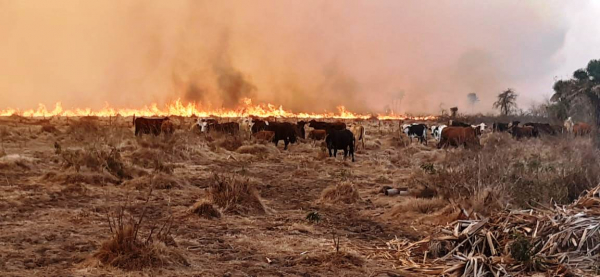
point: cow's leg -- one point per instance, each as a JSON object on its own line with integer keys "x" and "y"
{"x": 329, "y": 149}
{"x": 335, "y": 152}
{"x": 286, "y": 143}
{"x": 345, "y": 153}
{"x": 352, "y": 152}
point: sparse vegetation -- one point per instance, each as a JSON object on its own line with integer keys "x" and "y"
{"x": 205, "y": 209}
{"x": 235, "y": 195}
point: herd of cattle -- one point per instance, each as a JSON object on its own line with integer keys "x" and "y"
{"x": 339, "y": 136}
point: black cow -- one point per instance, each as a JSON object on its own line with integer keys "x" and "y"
{"x": 319, "y": 125}
{"x": 300, "y": 128}
{"x": 148, "y": 125}
{"x": 283, "y": 131}
{"x": 455, "y": 123}
{"x": 416, "y": 131}
{"x": 259, "y": 125}
{"x": 543, "y": 128}
{"x": 340, "y": 140}
{"x": 499, "y": 127}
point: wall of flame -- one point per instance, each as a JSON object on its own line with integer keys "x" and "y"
{"x": 178, "y": 108}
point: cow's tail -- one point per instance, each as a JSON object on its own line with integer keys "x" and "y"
{"x": 133, "y": 120}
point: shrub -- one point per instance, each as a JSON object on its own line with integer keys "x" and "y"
{"x": 235, "y": 195}
{"x": 344, "y": 192}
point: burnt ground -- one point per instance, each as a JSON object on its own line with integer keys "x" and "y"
{"x": 53, "y": 217}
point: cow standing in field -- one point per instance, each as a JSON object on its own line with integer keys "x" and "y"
{"x": 210, "y": 125}
{"x": 326, "y": 125}
{"x": 479, "y": 128}
{"x": 148, "y": 125}
{"x": 283, "y": 131}
{"x": 519, "y": 132}
{"x": 543, "y": 128}
{"x": 459, "y": 136}
{"x": 300, "y": 127}
{"x": 416, "y": 131}
{"x": 436, "y": 131}
{"x": 317, "y": 135}
{"x": 340, "y": 140}
{"x": 500, "y": 127}
{"x": 167, "y": 128}
{"x": 258, "y": 125}
{"x": 359, "y": 135}
{"x": 569, "y": 125}
{"x": 582, "y": 129}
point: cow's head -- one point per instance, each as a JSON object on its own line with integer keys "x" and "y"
{"x": 203, "y": 126}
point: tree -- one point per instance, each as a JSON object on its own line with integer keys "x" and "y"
{"x": 585, "y": 84}
{"x": 507, "y": 102}
{"x": 473, "y": 99}
{"x": 453, "y": 111}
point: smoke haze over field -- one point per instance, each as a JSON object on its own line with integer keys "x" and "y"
{"x": 305, "y": 55}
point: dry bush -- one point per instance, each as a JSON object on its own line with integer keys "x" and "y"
{"x": 129, "y": 250}
{"x": 205, "y": 209}
{"x": 235, "y": 195}
{"x": 525, "y": 173}
{"x": 156, "y": 181}
{"x": 258, "y": 149}
{"x": 95, "y": 159}
{"x": 343, "y": 192}
{"x": 420, "y": 205}
{"x": 322, "y": 155}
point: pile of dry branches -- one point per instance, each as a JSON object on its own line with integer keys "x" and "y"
{"x": 559, "y": 241}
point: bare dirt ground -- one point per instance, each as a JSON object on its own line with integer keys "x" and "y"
{"x": 61, "y": 179}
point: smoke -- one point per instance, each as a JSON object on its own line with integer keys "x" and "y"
{"x": 310, "y": 55}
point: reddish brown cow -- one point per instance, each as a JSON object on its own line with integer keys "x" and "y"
{"x": 582, "y": 129}
{"x": 523, "y": 132}
{"x": 148, "y": 125}
{"x": 457, "y": 136}
{"x": 317, "y": 135}
{"x": 167, "y": 128}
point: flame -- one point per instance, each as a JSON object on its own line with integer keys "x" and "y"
{"x": 178, "y": 108}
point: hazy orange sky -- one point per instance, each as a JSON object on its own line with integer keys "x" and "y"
{"x": 307, "y": 55}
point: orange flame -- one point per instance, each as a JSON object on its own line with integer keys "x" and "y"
{"x": 178, "y": 108}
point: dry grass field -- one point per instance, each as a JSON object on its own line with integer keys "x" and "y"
{"x": 84, "y": 197}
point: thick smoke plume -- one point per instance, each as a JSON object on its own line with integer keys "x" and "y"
{"x": 311, "y": 55}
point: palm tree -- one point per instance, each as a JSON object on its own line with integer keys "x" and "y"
{"x": 507, "y": 102}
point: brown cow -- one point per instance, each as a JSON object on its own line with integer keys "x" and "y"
{"x": 264, "y": 135}
{"x": 582, "y": 129}
{"x": 359, "y": 135}
{"x": 148, "y": 125}
{"x": 457, "y": 136}
{"x": 317, "y": 135}
{"x": 167, "y": 128}
{"x": 523, "y": 132}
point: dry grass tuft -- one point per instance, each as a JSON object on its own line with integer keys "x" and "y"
{"x": 258, "y": 149}
{"x": 344, "y": 192}
{"x": 128, "y": 250}
{"x": 419, "y": 205}
{"x": 235, "y": 195}
{"x": 322, "y": 155}
{"x": 205, "y": 209}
